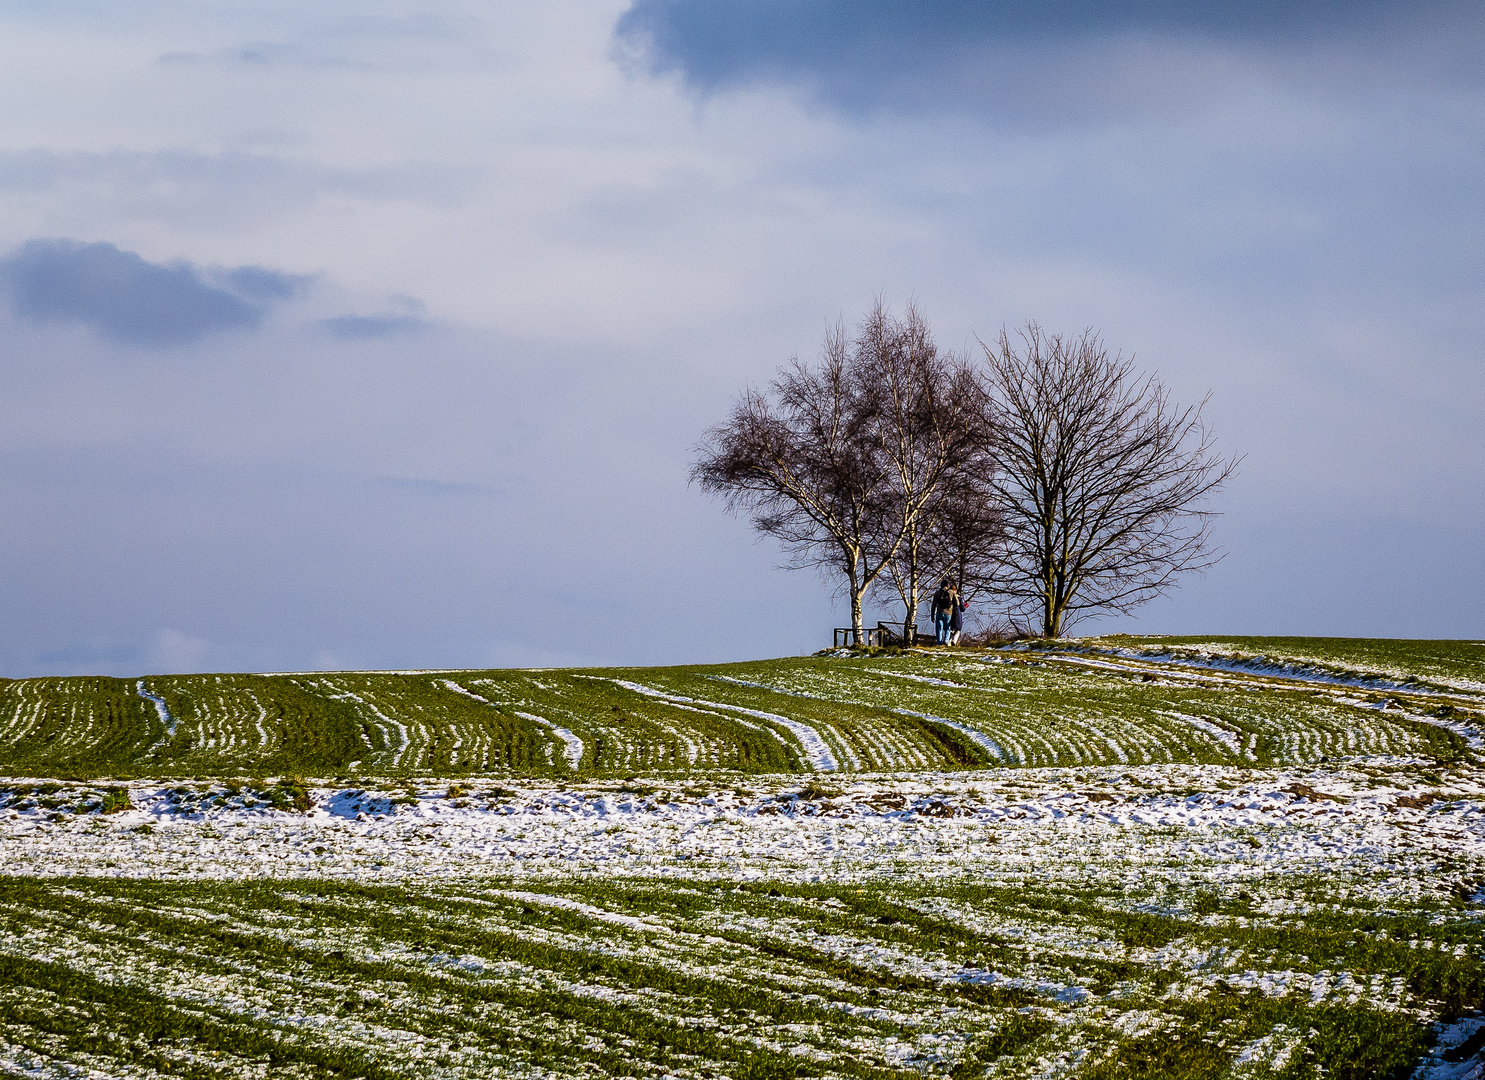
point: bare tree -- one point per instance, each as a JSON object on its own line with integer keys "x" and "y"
{"x": 958, "y": 537}
{"x": 930, "y": 421}
{"x": 1099, "y": 479}
{"x": 806, "y": 463}
{"x": 968, "y": 528}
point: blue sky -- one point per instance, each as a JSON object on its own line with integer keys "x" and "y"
{"x": 379, "y": 335}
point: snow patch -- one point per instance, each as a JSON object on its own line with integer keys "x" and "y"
{"x": 816, "y": 750}
{"x": 160, "y": 707}
{"x": 572, "y": 748}
{"x": 979, "y": 738}
{"x": 1232, "y": 740}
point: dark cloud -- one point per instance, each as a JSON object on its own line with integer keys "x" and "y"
{"x": 373, "y": 326}
{"x": 261, "y": 283}
{"x": 1044, "y": 58}
{"x": 132, "y": 301}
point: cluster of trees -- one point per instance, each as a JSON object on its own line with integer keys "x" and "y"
{"x": 1045, "y": 476}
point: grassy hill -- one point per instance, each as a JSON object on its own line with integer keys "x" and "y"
{"x": 1100, "y": 701}
{"x": 1119, "y": 857}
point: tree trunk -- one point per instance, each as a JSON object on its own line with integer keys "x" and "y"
{"x": 1051, "y": 616}
{"x": 910, "y": 620}
{"x": 854, "y": 576}
{"x": 1054, "y": 611}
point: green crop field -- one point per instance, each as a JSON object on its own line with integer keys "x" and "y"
{"x": 640, "y": 978}
{"x": 1142, "y": 857}
{"x": 1034, "y": 708}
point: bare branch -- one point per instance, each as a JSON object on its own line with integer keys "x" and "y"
{"x": 931, "y": 423}
{"x": 804, "y": 463}
{"x": 1099, "y": 479}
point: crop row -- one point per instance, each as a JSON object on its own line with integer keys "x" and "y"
{"x": 705, "y": 979}
{"x": 1445, "y": 665}
{"x": 956, "y": 711}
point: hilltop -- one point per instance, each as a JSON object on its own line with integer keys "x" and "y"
{"x": 1112, "y": 700}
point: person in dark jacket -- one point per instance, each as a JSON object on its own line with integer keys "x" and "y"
{"x": 943, "y": 607}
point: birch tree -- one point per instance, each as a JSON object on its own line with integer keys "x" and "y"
{"x": 932, "y": 423}
{"x": 804, "y": 461}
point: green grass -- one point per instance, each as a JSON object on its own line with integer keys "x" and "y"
{"x": 1093, "y": 959}
{"x": 701, "y": 979}
{"x": 1443, "y": 663}
{"x": 1048, "y": 706}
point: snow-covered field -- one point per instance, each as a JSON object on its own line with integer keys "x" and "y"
{"x": 1222, "y": 822}
{"x": 1089, "y": 909}
{"x": 1226, "y": 868}
{"x": 1108, "y": 701}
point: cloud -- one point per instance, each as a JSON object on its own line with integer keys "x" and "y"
{"x": 261, "y": 283}
{"x": 129, "y": 300}
{"x": 723, "y": 37}
{"x": 606, "y": 265}
{"x": 214, "y": 191}
{"x": 174, "y": 652}
{"x": 358, "y": 42}
{"x": 1054, "y": 60}
{"x": 166, "y": 652}
{"x": 373, "y": 326}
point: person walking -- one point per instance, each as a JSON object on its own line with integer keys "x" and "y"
{"x": 956, "y": 615}
{"x": 943, "y": 606}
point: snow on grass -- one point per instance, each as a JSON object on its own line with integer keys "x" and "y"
{"x": 979, "y": 738}
{"x": 1418, "y": 666}
{"x": 1206, "y": 870}
{"x": 964, "y": 921}
{"x": 816, "y": 751}
{"x": 1247, "y": 819}
{"x": 1228, "y": 738}
{"x": 1036, "y": 707}
{"x": 572, "y": 746}
{"x": 339, "y": 692}
{"x": 166, "y": 719}
{"x": 1450, "y": 1058}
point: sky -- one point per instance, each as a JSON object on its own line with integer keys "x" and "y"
{"x": 380, "y": 335}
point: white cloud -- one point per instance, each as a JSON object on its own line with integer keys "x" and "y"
{"x": 604, "y": 262}
{"x": 176, "y": 652}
